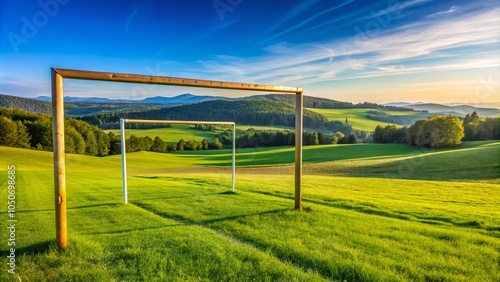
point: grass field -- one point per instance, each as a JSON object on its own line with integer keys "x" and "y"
{"x": 379, "y": 213}
{"x": 356, "y": 117}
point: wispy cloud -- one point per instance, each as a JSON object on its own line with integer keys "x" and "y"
{"x": 306, "y": 21}
{"x": 419, "y": 47}
{"x": 452, "y": 9}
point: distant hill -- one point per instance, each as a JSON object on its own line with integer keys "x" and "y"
{"x": 26, "y": 104}
{"x": 320, "y": 103}
{"x": 187, "y": 98}
{"x": 398, "y": 104}
{"x": 182, "y": 99}
{"x": 69, "y": 99}
{"x": 461, "y": 110}
{"x": 72, "y": 109}
{"x": 240, "y": 111}
{"x": 488, "y": 105}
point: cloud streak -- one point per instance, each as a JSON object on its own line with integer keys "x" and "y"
{"x": 418, "y": 47}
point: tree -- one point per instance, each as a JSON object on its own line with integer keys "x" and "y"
{"x": 474, "y": 117}
{"x": 41, "y": 133}
{"x": 412, "y": 133}
{"x": 337, "y": 137}
{"x": 392, "y": 134}
{"x": 158, "y": 145}
{"x": 103, "y": 142}
{"x": 352, "y": 139}
{"x": 313, "y": 139}
{"x": 438, "y": 131}
{"x": 90, "y": 143}
{"x": 216, "y": 144}
{"x": 114, "y": 144}
{"x": 378, "y": 134}
{"x": 204, "y": 144}
{"x": 489, "y": 129}
{"x": 8, "y": 131}
{"x": 471, "y": 131}
{"x": 13, "y": 133}
{"x": 180, "y": 145}
{"x": 133, "y": 144}
{"x": 23, "y": 137}
{"x": 74, "y": 142}
{"x": 147, "y": 143}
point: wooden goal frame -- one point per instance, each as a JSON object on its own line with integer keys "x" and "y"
{"x": 57, "y": 77}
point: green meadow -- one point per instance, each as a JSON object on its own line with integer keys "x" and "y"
{"x": 356, "y": 117}
{"x": 374, "y": 212}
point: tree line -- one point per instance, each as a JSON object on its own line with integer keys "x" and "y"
{"x": 440, "y": 131}
{"x": 321, "y": 103}
{"x": 252, "y": 138}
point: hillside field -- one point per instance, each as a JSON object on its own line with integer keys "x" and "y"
{"x": 357, "y": 119}
{"x": 378, "y": 212}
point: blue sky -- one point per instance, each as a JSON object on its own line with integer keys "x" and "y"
{"x": 350, "y": 50}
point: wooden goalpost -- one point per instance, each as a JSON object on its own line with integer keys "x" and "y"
{"x": 57, "y": 77}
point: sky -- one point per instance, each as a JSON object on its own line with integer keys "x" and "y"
{"x": 348, "y": 50}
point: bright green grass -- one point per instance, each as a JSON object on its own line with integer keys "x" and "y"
{"x": 185, "y": 226}
{"x": 356, "y": 117}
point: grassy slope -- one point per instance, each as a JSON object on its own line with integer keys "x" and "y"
{"x": 356, "y": 117}
{"x": 185, "y": 227}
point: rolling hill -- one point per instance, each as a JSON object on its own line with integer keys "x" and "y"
{"x": 182, "y": 99}
{"x": 239, "y": 111}
{"x": 320, "y": 103}
{"x": 460, "y": 110}
{"x": 73, "y": 106}
{"x": 455, "y": 109}
{"x": 30, "y": 105}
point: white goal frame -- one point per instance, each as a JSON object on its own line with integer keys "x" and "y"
{"x": 123, "y": 145}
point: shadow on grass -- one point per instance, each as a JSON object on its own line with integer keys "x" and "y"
{"x": 111, "y": 205}
{"x": 133, "y": 230}
{"x": 37, "y": 248}
{"x": 184, "y": 197}
{"x": 27, "y": 211}
{"x": 187, "y": 221}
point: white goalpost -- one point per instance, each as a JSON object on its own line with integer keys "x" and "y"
{"x": 123, "y": 145}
